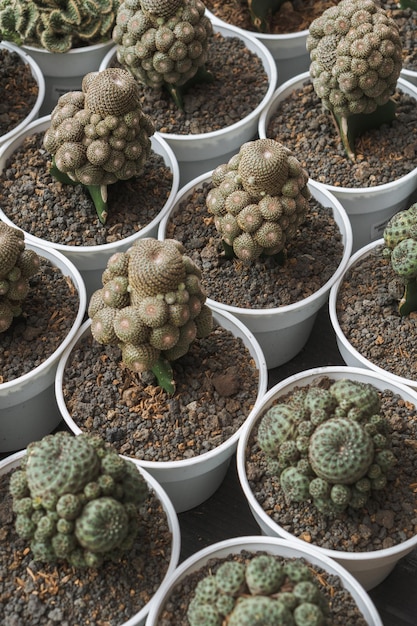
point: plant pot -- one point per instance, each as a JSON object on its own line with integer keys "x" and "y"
{"x": 224, "y": 550}
{"x": 368, "y": 208}
{"x": 288, "y": 50}
{"x": 38, "y": 76}
{"x": 138, "y": 619}
{"x": 28, "y": 408}
{"x": 188, "y": 481}
{"x": 281, "y": 331}
{"x": 200, "y": 152}
{"x": 64, "y": 72}
{"x": 91, "y": 260}
{"x": 350, "y": 354}
{"x": 368, "y": 567}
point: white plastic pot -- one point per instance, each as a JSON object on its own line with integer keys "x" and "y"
{"x": 13, "y": 461}
{"x": 281, "y": 331}
{"x": 38, "y": 76}
{"x": 368, "y": 208}
{"x": 369, "y": 568}
{"x": 198, "y": 153}
{"x": 92, "y": 260}
{"x": 288, "y": 50}
{"x": 349, "y": 354}
{"x": 191, "y": 481}
{"x": 64, "y": 72}
{"x": 270, "y": 545}
{"x": 28, "y": 409}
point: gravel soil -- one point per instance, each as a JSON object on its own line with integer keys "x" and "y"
{"x": 389, "y": 516}
{"x": 18, "y": 88}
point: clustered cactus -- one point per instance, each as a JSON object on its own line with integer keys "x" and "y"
{"x": 329, "y": 445}
{"x": 57, "y": 25}
{"x": 356, "y": 59}
{"x": 265, "y": 589}
{"x": 400, "y": 238}
{"x": 259, "y": 199}
{"x": 163, "y": 43}
{"x": 17, "y": 265}
{"x": 77, "y": 500}
{"x": 151, "y": 305}
{"x": 100, "y": 135}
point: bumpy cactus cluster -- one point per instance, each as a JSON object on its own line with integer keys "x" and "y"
{"x": 151, "y": 305}
{"x": 329, "y": 445}
{"x": 57, "y": 25}
{"x": 17, "y": 265}
{"x": 259, "y": 199}
{"x": 77, "y": 500}
{"x": 265, "y": 589}
{"x": 400, "y": 238}
{"x": 100, "y": 135}
{"x": 162, "y": 42}
{"x": 356, "y": 59}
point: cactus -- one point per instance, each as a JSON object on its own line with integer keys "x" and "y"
{"x": 259, "y": 199}
{"x": 57, "y": 25}
{"x": 77, "y": 500}
{"x": 271, "y": 590}
{"x": 17, "y": 265}
{"x": 163, "y": 43}
{"x": 400, "y": 239}
{"x": 356, "y": 59}
{"x": 335, "y": 452}
{"x": 261, "y": 12}
{"x": 99, "y": 135}
{"x": 163, "y": 312}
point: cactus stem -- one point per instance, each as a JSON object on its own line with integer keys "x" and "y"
{"x": 408, "y": 4}
{"x": 261, "y": 12}
{"x": 408, "y": 302}
{"x": 176, "y": 92}
{"x": 164, "y": 375}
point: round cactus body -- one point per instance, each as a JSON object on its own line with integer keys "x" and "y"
{"x": 259, "y": 199}
{"x": 162, "y": 42}
{"x": 356, "y": 57}
{"x": 329, "y": 445}
{"x": 77, "y": 500}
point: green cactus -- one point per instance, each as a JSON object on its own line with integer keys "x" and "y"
{"x": 261, "y": 12}
{"x": 160, "y": 318}
{"x": 336, "y": 452}
{"x": 57, "y": 25}
{"x": 356, "y": 59}
{"x": 99, "y": 135}
{"x": 17, "y": 265}
{"x": 259, "y": 199}
{"x": 267, "y": 590}
{"x": 400, "y": 238}
{"x": 76, "y": 500}
{"x": 163, "y": 43}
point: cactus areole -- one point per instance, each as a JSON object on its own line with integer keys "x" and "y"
{"x": 356, "y": 59}
{"x": 99, "y": 135}
{"x": 77, "y": 500}
{"x": 329, "y": 444}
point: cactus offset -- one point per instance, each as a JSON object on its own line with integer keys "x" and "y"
{"x": 269, "y": 590}
{"x": 335, "y": 451}
{"x": 76, "y": 500}
{"x": 259, "y": 199}
{"x": 162, "y": 309}
{"x": 57, "y": 25}
{"x": 17, "y": 265}
{"x": 356, "y": 60}
{"x": 163, "y": 43}
{"x": 100, "y": 135}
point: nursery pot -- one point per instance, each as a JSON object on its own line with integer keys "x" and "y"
{"x": 269, "y": 545}
{"x": 38, "y": 76}
{"x": 369, "y": 568}
{"x": 282, "y": 331}
{"x": 28, "y": 408}
{"x": 368, "y": 208}
{"x": 200, "y": 152}
{"x": 13, "y": 462}
{"x": 189, "y": 481}
{"x": 92, "y": 260}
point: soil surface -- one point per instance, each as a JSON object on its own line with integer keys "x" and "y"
{"x": 19, "y": 90}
